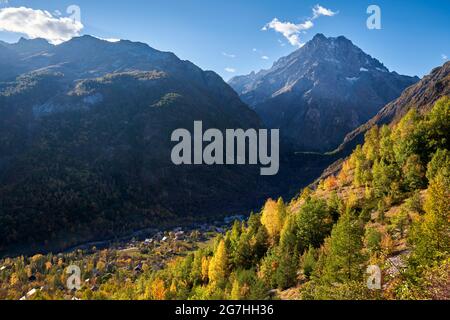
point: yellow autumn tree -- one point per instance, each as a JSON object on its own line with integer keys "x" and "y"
{"x": 371, "y": 145}
{"x": 14, "y": 279}
{"x": 272, "y": 220}
{"x": 158, "y": 290}
{"x": 432, "y": 237}
{"x": 235, "y": 291}
{"x": 437, "y": 208}
{"x": 173, "y": 287}
{"x": 218, "y": 266}
{"x": 205, "y": 269}
{"x": 344, "y": 175}
{"x": 282, "y": 211}
{"x": 330, "y": 183}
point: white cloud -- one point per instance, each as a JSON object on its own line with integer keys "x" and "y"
{"x": 444, "y": 57}
{"x": 318, "y": 11}
{"x": 291, "y": 31}
{"x": 230, "y": 70}
{"x": 260, "y": 53}
{"x": 39, "y": 24}
{"x": 229, "y": 55}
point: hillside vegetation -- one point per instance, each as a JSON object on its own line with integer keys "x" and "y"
{"x": 388, "y": 207}
{"x": 85, "y": 148}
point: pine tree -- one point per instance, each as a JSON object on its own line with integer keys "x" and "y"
{"x": 345, "y": 259}
{"x": 282, "y": 210}
{"x": 439, "y": 161}
{"x": 235, "y": 235}
{"x": 247, "y": 286}
{"x": 288, "y": 238}
{"x": 269, "y": 267}
{"x": 286, "y": 273}
{"x": 253, "y": 224}
{"x": 260, "y": 244}
{"x": 384, "y": 176}
{"x": 335, "y": 206}
{"x": 243, "y": 255}
{"x": 309, "y": 261}
{"x": 314, "y": 223}
{"x": 413, "y": 173}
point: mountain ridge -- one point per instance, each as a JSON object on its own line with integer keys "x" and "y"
{"x": 85, "y": 144}
{"x": 320, "y": 92}
{"x": 420, "y": 96}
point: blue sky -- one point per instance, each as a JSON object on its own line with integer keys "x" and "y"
{"x": 227, "y": 34}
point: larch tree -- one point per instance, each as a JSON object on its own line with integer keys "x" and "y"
{"x": 272, "y": 220}
{"x": 218, "y": 267}
{"x": 345, "y": 259}
{"x": 431, "y": 235}
{"x": 440, "y": 160}
{"x": 157, "y": 290}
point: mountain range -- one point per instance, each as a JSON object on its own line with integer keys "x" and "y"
{"x": 320, "y": 92}
{"x": 85, "y": 146}
{"x": 85, "y": 132}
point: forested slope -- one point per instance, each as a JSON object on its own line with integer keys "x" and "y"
{"x": 389, "y": 207}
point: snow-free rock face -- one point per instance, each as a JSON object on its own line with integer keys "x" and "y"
{"x": 321, "y": 92}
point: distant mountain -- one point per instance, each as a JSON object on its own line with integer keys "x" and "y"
{"x": 85, "y": 146}
{"x": 421, "y": 96}
{"x": 8, "y": 62}
{"x": 320, "y": 92}
{"x": 28, "y": 47}
{"x": 15, "y": 57}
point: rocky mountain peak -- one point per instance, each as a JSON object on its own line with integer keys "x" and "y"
{"x": 320, "y": 92}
